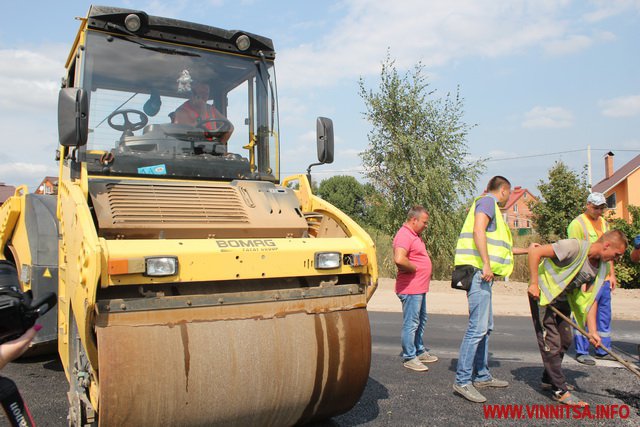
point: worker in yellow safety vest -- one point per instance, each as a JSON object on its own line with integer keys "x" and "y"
{"x": 590, "y": 226}
{"x": 568, "y": 275}
{"x": 485, "y": 249}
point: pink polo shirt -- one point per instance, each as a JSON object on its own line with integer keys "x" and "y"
{"x": 418, "y": 282}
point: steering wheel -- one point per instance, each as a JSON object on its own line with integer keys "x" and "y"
{"x": 223, "y": 126}
{"x": 128, "y": 125}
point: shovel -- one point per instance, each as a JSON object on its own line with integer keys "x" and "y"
{"x": 620, "y": 360}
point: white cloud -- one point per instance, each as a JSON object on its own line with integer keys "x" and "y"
{"x": 30, "y": 80}
{"x": 436, "y": 31}
{"x": 568, "y": 45}
{"x": 623, "y": 106}
{"x": 548, "y": 117}
{"x": 439, "y": 32}
{"x": 30, "y": 174}
{"x": 604, "y": 9}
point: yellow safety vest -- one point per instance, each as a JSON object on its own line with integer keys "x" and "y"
{"x": 553, "y": 280}
{"x": 499, "y": 244}
{"x": 581, "y": 228}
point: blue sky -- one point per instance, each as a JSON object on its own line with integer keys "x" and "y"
{"x": 538, "y": 77}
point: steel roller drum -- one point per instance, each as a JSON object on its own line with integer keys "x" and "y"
{"x": 270, "y": 364}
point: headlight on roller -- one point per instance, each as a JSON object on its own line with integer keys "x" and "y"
{"x": 161, "y": 266}
{"x": 327, "y": 260}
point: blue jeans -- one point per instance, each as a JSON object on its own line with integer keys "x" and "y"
{"x": 473, "y": 361}
{"x": 414, "y": 319}
{"x": 603, "y": 323}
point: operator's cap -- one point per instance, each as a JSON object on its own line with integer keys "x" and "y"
{"x": 596, "y": 199}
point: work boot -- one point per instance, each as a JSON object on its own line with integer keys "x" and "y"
{"x": 585, "y": 359}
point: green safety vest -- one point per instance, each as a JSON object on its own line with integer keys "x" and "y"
{"x": 582, "y": 229}
{"x": 499, "y": 244}
{"x": 553, "y": 280}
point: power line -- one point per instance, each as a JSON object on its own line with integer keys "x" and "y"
{"x": 535, "y": 155}
{"x": 360, "y": 170}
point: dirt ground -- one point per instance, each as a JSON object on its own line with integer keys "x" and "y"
{"x": 509, "y": 299}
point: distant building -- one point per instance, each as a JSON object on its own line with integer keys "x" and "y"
{"x": 49, "y": 185}
{"x": 6, "y": 191}
{"x": 516, "y": 211}
{"x": 621, "y": 188}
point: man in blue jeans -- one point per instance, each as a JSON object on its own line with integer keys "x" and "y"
{"x": 485, "y": 243}
{"x": 412, "y": 284}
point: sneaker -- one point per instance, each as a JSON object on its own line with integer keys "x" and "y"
{"x": 415, "y": 364}
{"x": 585, "y": 359}
{"x": 548, "y": 386}
{"x": 491, "y": 383}
{"x": 427, "y": 358}
{"x": 566, "y": 398}
{"x": 469, "y": 392}
{"x": 605, "y": 356}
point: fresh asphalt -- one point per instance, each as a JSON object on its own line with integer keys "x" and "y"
{"x": 396, "y": 396}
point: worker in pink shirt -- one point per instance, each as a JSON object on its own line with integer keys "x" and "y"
{"x": 412, "y": 284}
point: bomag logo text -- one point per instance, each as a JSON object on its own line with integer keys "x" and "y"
{"x": 246, "y": 243}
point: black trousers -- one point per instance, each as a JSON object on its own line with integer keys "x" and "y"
{"x": 554, "y": 339}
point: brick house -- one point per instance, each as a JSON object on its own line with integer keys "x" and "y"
{"x": 6, "y": 191}
{"x": 516, "y": 212}
{"x": 49, "y": 185}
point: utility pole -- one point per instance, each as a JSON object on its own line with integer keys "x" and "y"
{"x": 589, "y": 165}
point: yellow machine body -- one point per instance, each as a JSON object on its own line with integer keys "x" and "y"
{"x": 194, "y": 286}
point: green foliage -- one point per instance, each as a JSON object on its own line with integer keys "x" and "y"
{"x": 375, "y": 207}
{"x": 521, "y": 262}
{"x": 384, "y": 252}
{"x": 417, "y": 155}
{"x": 345, "y": 193}
{"x": 628, "y": 272}
{"x": 562, "y": 198}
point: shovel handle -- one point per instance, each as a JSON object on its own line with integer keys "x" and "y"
{"x": 619, "y": 359}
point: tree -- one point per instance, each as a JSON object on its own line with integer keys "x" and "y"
{"x": 345, "y": 193}
{"x": 628, "y": 272}
{"x": 562, "y": 198}
{"x": 417, "y": 155}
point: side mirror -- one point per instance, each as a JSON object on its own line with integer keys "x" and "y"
{"x": 73, "y": 117}
{"x": 324, "y": 131}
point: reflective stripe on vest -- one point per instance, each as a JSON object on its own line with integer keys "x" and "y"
{"x": 499, "y": 244}
{"x": 210, "y": 114}
{"x": 588, "y": 229}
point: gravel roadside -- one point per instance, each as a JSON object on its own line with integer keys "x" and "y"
{"x": 509, "y": 299}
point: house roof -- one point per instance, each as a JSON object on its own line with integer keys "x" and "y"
{"x": 51, "y": 179}
{"x": 618, "y": 176}
{"x": 516, "y": 194}
{"x": 6, "y": 191}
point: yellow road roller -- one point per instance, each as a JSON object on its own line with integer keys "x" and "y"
{"x": 195, "y": 285}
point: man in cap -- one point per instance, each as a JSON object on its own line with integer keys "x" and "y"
{"x": 591, "y": 226}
